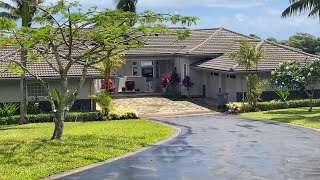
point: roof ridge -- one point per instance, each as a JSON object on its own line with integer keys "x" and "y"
{"x": 215, "y": 33}
{"x": 239, "y": 33}
{"x": 292, "y": 49}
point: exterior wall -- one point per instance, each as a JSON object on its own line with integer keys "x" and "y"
{"x": 10, "y": 89}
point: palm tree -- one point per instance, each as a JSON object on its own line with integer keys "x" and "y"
{"x": 15, "y": 10}
{"x": 312, "y": 7}
{"x": 127, "y": 5}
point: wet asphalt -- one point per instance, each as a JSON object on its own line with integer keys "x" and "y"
{"x": 214, "y": 147}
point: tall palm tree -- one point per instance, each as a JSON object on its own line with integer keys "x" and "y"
{"x": 127, "y": 5}
{"x": 311, "y": 7}
{"x": 15, "y": 10}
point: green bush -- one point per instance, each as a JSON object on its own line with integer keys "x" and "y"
{"x": 104, "y": 100}
{"x": 118, "y": 114}
{"x": 272, "y": 105}
{"x": 238, "y": 107}
{"x": 8, "y": 109}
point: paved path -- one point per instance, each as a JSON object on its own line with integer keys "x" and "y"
{"x": 214, "y": 147}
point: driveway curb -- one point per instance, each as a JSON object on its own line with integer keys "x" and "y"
{"x": 178, "y": 114}
{"x": 289, "y": 124}
{"x": 176, "y": 132}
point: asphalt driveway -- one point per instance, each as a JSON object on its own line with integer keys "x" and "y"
{"x": 221, "y": 147}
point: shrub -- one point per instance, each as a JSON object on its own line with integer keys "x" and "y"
{"x": 8, "y": 109}
{"x": 104, "y": 100}
{"x": 283, "y": 94}
{"x": 33, "y": 107}
{"x": 118, "y": 114}
{"x": 237, "y": 107}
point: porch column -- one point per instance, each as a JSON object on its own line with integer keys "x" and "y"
{"x": 220, "y": 83}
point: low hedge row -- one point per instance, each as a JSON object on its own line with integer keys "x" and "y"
{"x": 239, "y": 107}
{"x": 73, "y": 117}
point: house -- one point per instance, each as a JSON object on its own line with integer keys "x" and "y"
{"x": 204, "y": 56}
{"x": 10, "y": 84}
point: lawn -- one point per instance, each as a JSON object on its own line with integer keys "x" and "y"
{"x": 27, "y": 153}
{"x": 297, "y": 116}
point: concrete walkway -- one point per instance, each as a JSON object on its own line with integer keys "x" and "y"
{"x": 221, "y": 147}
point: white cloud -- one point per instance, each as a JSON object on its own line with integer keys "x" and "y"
{"x": 178, "y": 3}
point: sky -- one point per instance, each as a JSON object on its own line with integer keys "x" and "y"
{"x": 260, "y": 17}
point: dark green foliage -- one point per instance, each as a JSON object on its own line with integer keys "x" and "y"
{"x": 8, "y": 109}
{"x": 272, "y": 105}
{"x": 33, "y": 107}
{"x": 73, "y": 117}
{"x": 304, "y": 41}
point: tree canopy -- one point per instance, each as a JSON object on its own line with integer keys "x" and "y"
{"x": 304, "y": 41}
{"x": 69, "y": 35}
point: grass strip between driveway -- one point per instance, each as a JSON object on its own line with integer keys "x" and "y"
{"x": 27, "y": 153}
{"x": 297, "y": 116}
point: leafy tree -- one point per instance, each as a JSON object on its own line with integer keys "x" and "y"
{"x": 304, "y": 41}
{"x": 15, "y": 11}
{"x": 271, "y": 39}
{"x": 249, "y": 56}
{"x": 255, "y": 36}
{"x": 293, "y": 75}
{"x": 64, "y": 40}
{"x": 312, "y": 7}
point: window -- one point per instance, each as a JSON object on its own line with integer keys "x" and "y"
{"x": 147, "y": 69}
{"x": 185, "y": 73}
{"x": 36, "y": 90}
{"x": 134, "y": 68}
{"x": 216, "y": 74}
{"x": 232, "y": 76}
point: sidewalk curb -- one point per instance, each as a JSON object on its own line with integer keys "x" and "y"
{"x": 176, "y": 132}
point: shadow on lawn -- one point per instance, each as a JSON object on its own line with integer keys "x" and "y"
{"x": 294, "y": 115}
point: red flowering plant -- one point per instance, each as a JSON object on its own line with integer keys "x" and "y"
{"x": 187, "y": 83}
{"x": 109, "y": 85}
{"x": 165, "y": 80}
{"x": 174, "y": 79}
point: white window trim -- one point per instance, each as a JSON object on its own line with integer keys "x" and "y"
{"x": 42, "y": 89}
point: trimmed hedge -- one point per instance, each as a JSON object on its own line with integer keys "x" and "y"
{"x": 239, "y": 107}
{"x": 74, "y": 117}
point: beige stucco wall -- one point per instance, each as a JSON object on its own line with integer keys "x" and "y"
{"x": 10, "y": 89}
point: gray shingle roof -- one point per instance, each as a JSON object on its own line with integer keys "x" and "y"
{"x": 43, "y": 69}
{"x": 274, "y": 54}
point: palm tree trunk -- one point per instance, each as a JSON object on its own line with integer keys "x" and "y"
{"x": 23, "y": 102}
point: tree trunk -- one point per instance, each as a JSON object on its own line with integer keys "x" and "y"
{"x": 62, "y": 111}
{"x": 311, "y": 101}
{"x": 59, "y": 126}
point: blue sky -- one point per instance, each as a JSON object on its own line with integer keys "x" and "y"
{"x": 261, "y": 17}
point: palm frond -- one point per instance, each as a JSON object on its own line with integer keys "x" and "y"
{"x": 126, "y": 5}
{"x": 6, "y": 6}
{"x": 300, "y": 7}
{"x": 9, "y": 15}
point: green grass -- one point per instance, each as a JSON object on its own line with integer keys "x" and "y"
{"x": 297, "y": 116}
{"x": 27, "y": 153}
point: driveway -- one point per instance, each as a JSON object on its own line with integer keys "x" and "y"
{"x": 221, "y": 147}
